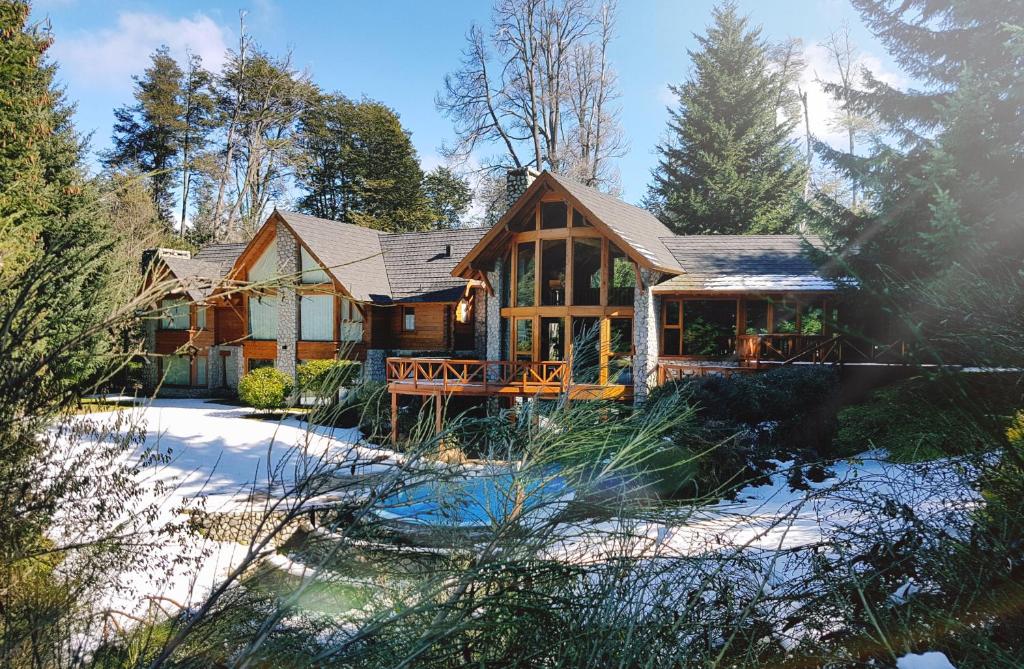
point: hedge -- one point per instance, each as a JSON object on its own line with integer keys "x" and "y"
{"x": 325, "y": 377}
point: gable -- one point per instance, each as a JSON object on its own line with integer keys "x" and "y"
{"x": 265, "y": 267}
{"x": 634, "y": 230}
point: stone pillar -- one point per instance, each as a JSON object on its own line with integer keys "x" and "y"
{"x": 493, "y": 318}
{"x": 646, "y": 307}
{"x": 221, "y": 367}
{"x": 374, "y": 368}
{"x": 288, "y": 303}
{"x": 150, "y": 372}
{"x": 516, "y": 183}
{"x": 480, "y": 305}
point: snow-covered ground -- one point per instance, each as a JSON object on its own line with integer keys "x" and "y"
{"x": 775, "y": 516}
{"x": 219, "y": 460}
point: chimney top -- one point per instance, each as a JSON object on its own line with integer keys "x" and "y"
{"x": 517, "y": 180}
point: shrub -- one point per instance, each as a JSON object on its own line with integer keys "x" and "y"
{"x": 928, "y": 417}
{"x": 324, "y": 377}
{"x": 265, "y": 389}
{"x": 799, "y": 403}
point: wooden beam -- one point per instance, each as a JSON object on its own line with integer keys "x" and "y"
{"x": 394, "y": 418}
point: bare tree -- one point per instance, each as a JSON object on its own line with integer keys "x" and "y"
{"x": 540, "y": 87}
{"x": 845, "y": 55}
{"x": 788, "y": 59}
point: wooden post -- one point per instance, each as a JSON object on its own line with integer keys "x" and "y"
{"x": 438, "y": 414}
{"x": 394, "y": 418}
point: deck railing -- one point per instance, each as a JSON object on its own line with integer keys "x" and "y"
{"x": 788, "y": 348}
{"x": 446, "y": 375}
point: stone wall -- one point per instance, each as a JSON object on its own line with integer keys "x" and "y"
{"x": 288, "y": 306}
{"x": 646, "y": 307}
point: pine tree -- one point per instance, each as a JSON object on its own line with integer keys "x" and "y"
{"x": 357, "y": 164}
{"x": 147, "y": 134}
{"x": 196, "y": 123}
{"x": 728, "y": 165}
{"x": 948, "y": 189}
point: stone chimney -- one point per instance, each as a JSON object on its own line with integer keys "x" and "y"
{"x": 516, "y": 182}
{"x": 149, "y": 255}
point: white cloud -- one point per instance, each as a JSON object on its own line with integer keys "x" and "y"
{"x": 821, "y": 106}
{"x": 108, "y": 57}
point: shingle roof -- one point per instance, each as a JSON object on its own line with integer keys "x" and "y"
{"x": 738, "y": 263}
{"x": 418, "y": 268}
{"x": 352, "y": 253}
{"x": 637, "y": 227}
{"x": 221, "y": 255}
{"x": 195, "y": 277}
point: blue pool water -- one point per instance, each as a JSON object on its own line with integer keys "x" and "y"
{"x": 479, "y": 500}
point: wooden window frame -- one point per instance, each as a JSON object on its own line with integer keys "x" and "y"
{"x": 406, "y": 312}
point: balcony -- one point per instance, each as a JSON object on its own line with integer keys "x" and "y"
{"x": 488, "y": 378}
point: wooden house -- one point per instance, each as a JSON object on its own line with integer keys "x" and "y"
{"x": 571, "y": 290}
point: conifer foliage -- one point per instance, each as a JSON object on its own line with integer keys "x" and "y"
{"x": 728, "y": 164}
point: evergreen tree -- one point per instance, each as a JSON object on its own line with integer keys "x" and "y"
{"x": 948, "y": 188}
{"x": 53, "y": 304}
{"x": 357, "y": 164}
{"x": 147, "y": 134}
{"x": 449, "y": 196}
{"x": 728, "y": 165}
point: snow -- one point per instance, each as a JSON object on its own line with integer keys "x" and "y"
{"x": 930, "y": 660}
{"x": 220, "y": 461}
{"x": 777, "y": 517}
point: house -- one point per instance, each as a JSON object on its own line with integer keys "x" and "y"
{"x": 496, "y": 312}
{"x": 306, "y": 288}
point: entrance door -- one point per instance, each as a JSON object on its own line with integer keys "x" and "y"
{"x": 552, "y": 339}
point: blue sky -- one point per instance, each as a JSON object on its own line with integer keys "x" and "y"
{"x": 399, "y": 51}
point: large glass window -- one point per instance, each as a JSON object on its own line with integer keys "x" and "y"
{"x": 812, "y": 320}
{"x": 351, "y": 321}
{"x": 785, "y": 321}
{"x": 312, "y": 272}
{"x": 709, "y": 327}
{"x": 316, "y": 317}
{"x": 524, "y": 339}
{"x": 672, "y": 327}
{"x": 553, "y": 215}
{"x": 622, "y": 278}
{"x": 506, "y": 280}
{"x": 177, "y": 370}
{"x": 526, "y": 275}
{"x": 263, "y": 317}
{"x": 174, "y": 315}
{"x": 258, "y": 363}
{"x": 552, "y": 272}
{"x": 757, "y": 317}
{"x": 201, "y": 365}
{"x": 578, "y": 221}
{"x": 265, "y": 269}
{"x": 201, "y": 318}
{"x": 552, "y": 338}
{"x": 586, "y": 271}
{"x": 586, "y": 349}
{"x": 620, "y": 345}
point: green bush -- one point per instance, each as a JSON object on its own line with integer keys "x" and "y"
{"x": 928, "y": 417}
{"x": 265, "y": 389}
{"x": 798, "y": 403}
{"x": 324, "y": 377}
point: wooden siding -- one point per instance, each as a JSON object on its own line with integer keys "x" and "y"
{"x": 169, "y": 341}
{"x": 431, "y": 333}
{"x": 229, "y": 322}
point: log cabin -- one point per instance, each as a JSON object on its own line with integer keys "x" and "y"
{"x": 498, "y": 311}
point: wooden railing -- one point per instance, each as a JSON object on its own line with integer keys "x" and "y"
{"x": 484, "y": 376}
{"x": 788, "y": 348}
